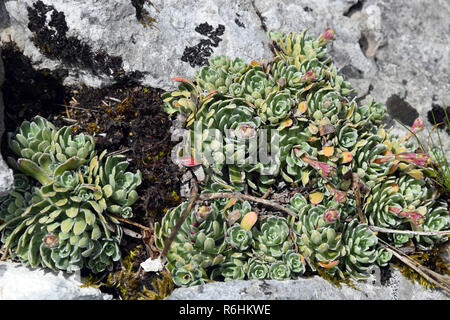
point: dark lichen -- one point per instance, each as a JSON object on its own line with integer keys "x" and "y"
{"x": 142, "y": 15}
{"x": 28, "y": 92}
{"x": 52, "y": 39}
{"x": 401, "y": 110}
{"x": 437, "y": 116}
{"x": 198, "y": 55}
{"x": 239, "y": 22}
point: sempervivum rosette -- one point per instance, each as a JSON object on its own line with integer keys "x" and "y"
{"x": 318, "y": 240}
{"x": 277, "y": 107}
{"x": 213, "y": 79}
{"x": 436, "y": 219}
{"x": 257, "y": 269}
{"x": 15, "y": 203}
{"x": 361, "y": 252}
{"x": 32, "y": 139}
{"x": 200, "y": 240}
{"x": 271, "y": 238}
{"x": 383, "y": 204}
{"x": 67, "y": 225}
{"x": 326, "y": 103}
{"x": 257, "y": 86}
{"x": 370, "y": 162}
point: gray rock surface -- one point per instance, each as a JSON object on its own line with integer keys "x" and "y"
{"x": 395, "y": 52}
{"x": 6, "y": 174}
{"x": 316, "y": 288}
{"x": 20, "y": 283}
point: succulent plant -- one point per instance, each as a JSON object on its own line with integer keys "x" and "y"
{"x": 239, "y": 238}
{"x": 188, "y": 275}
{"x": 279, "y": 271}
{"x": 276, "y": 107}
{"x": 382, "y": 203}
{"x": 383, "y": 256}
{"x": 15, "y": 203}
{"x": 361, "y": 252}
{"x": 213, "y": 79}
{"x": 62, "y": 222}
{"x": 200, "y": 240}
{"x": 294, "y": 261}
{"x": 233, "y": 268}
{"x": 436, "y": 219}
{"x": 257, "y": 87}
{"x": 257, "y": 269}
{"x": 317, "y": 239}
{"x": 332, "y": 155}
{"x": 271, "y": 238}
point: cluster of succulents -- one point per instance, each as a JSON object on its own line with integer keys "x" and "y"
{"x": 324, "y": 142}
{"x": 226, "y": 240}
{"x": 61, "y": 214}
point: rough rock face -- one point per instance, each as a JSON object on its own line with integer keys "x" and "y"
{"x": 397, "y": 288}
{"x": 6, "y": 174}
{"x": 393, "y": 51}
{"x": 20, "y": 283}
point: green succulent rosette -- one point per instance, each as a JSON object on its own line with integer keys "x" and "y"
{"x": 276, "y": 107}
{"x": 209, "y": 79}
{"x": 294, "y": 261}
{"x": 279, "y": 271}
{"x": 361, "y": 252}
{"x": 271, "y": 238}
{"x": 60, "y": 220}
{"x": 381, "y": 204}
{"x": 257, "y": 269}
{"x": 239, "y": 238}
{"x": 317, "y": 239}
{"x": 383, "y": 256}
{"x": 326, "y": 103}
{"x": 200, "y": 240}
{"x": 188, "y": 275}
{"x": 348, "y": 137}
{"x": 257, "y": 86}
{"x": 232, "y": 269}
{"x": 436, "y": 219}
{"x": 370, "y": 162}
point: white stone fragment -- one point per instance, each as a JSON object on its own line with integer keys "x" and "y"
{"x": 20, "y": 283}
{"x": 152, "y": 265}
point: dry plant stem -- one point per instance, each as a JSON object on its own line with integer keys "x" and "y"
{"x": 118, "y": 152}
{"x": 428, "y": 274}
{"x": 190, "y": 206}
{"x": 132, "y": 223}
{"x": 267, "y": 194}
{"x": 269, "y": 203}
{"x": 419, "y": 233}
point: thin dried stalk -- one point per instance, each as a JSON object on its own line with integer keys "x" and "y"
{"x": 269, "y": 203}
{"x": 131, "y": 223}
{"x": 419, "y": 233}
{"x": 193, "y": 198}
{"x": 429, "y": 275}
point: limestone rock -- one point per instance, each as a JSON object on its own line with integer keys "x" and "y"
{"x": 395, "y": 52}
{"x": 20, "y": 283}
{"x": 315, "y": 288}
{"x": 6, "y": 174}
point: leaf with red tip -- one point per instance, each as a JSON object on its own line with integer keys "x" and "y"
{"x": 189, "y": 161}
{"x": 347, "y": 157}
